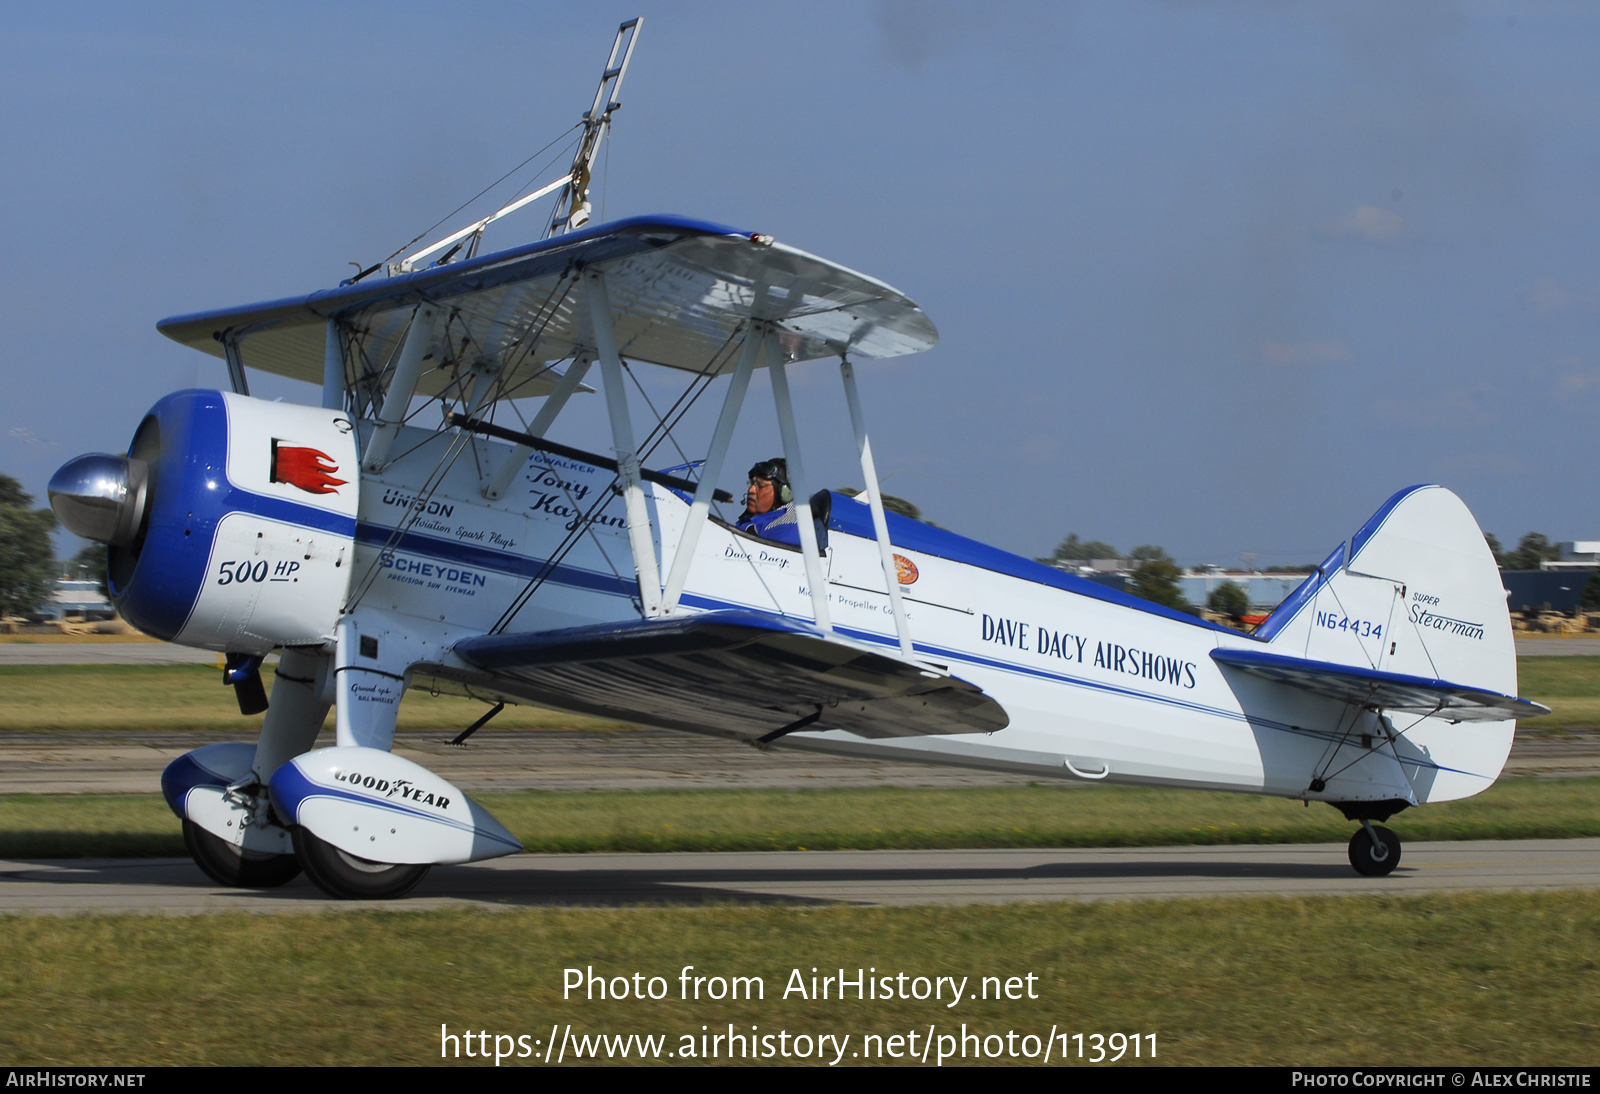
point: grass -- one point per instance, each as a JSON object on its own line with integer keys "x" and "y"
{"x": 188, "y": 697}
{"x": 140, "y": 825}
{"x": 1451, "y": 980}
{"x": 191, "y": 697}
{"x": 1570, "y": 686}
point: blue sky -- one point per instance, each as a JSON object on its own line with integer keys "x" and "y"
{"x": 1220, "y": 277}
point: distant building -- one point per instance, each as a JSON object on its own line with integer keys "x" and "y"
{"x": 1557, "y": 585}
{"x": 1577, "y": 554}
{"x": 1545, "y": 590}
{"x": 82, "y": 599}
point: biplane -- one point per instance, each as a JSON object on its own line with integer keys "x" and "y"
{"x": 417, "y": 529}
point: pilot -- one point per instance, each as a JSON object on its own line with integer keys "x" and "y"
{"x": 769, "y": 503}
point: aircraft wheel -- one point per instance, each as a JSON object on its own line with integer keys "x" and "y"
{"x": 1371, "y": 861}
{"x": 350, "y": 877}
{"x": 235, "y": 867}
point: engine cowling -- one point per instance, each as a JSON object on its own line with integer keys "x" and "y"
{"x": 230, "y": 523}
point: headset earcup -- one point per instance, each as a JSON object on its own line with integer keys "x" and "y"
{"x": 786, "y": 496}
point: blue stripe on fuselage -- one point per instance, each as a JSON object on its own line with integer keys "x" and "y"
{"x": 483, "y": 558}
{"x": 575, "y": 577}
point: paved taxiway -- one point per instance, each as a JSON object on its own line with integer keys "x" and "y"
{"x": 176, "y": 887}
{"x": 103, "y": 653}
{"x": 131, "y": 762}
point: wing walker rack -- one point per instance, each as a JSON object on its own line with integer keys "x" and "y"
{"x": 762, "y": 338}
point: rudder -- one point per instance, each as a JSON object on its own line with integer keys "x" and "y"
{"x": 1415, "y": 592}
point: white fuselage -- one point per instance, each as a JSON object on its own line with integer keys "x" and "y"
{"x": 1094, "y": 689}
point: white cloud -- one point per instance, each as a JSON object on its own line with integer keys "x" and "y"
{"x": 1303, "y": 353}
{"x": 28, "y": 436}
{"x": 1548, "y": 296}
{"x": 1366, "y": 222}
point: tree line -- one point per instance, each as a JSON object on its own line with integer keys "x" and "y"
{"x": 27, "y": 556}
{"x": 1156, "y": 576}
{"x": 1532, "y": 549}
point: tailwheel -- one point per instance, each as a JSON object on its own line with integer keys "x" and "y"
{"x": 1374, "y": 851}
{"x": 233, "y": 866}
{"x": 351, "y": 877}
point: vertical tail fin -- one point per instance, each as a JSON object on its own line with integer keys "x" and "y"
{"x": 1416, "y": 591}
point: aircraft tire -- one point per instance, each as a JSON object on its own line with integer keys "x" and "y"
{"x": 234, "y": 867}
{"x": 1366, "y": 860}
{"x": 350, "y": 877}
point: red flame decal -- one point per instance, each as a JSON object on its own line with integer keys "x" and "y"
{"x": 310, "y": 470}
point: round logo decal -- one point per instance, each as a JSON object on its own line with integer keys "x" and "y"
{"x": 905, "y": 570}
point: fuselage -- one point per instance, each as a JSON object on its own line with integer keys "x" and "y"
{"x": 1097, "y": 685}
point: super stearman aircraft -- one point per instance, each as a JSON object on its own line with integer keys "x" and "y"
{"x": 380, "y": 551}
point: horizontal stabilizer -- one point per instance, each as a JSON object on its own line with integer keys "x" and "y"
{"x": 742, "y": 673}
{"x": 1389, "y": 691}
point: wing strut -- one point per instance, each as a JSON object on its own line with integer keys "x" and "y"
{"x": 797, "y": 482}
{"x": 230, "y": 349}
{"x": 333, "y": 368}
{"x": 639, "y": 537}
{"x": 880, "y": 523}
{"x": 754, "y": 339}
{"x": 397, "y": 400}
{"x": 541, "y": 422}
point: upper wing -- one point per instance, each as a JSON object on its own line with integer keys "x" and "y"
{"x": 747, "y": 674}
{"x": 679, "y": 290}
{"x": 1387, "y": 690}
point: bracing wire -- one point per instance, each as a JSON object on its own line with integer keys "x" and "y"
{"x": 667, "y": 434}
{"x": 584, "y": 523}
{"x": 430, "y": 228}
{"x": 1395, "y": 752}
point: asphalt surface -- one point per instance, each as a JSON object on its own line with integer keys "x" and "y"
{"x": 102, "y": 653}
{"x": 1558, "y": 647}
{"x": 132, "y": 762}
{"x": 176, "y": 887}
{"x": 645, "y": 759}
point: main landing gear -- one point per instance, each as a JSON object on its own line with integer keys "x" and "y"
{"x": 337, "y": 873}
{"x": 1375, "y": 850}
{"x": 350, "y": 877}
{"x": 228, "y": 864}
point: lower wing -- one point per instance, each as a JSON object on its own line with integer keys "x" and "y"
{"x": 741, "y": 673}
